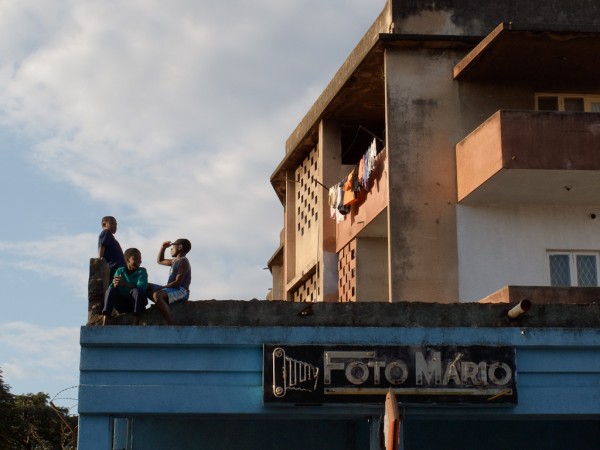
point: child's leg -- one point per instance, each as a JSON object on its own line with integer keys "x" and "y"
{"x": 110, "y": 298}
{"x": 152, "y": 288}
{"x": 124, "y": 302}
{"x": 139, "y": 303}
{"x": 162, "y": 299}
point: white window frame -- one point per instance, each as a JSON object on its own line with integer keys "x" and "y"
{"x": 588, "y": 99}
{"x": 573, "y": 264}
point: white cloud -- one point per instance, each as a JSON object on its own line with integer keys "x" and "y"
{"x": 173, "y": 114}
{"x": 32, "y": 356}
{"x": 63, "y": 257}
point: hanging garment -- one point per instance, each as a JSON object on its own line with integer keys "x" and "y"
{"x": 342, "y": 209}
{"x": 333, "y": 201}
{"x": 361, "y": 172}
{"x": 349, "y": 194}
{"x": 356, "y": 187}
{"x": 373, "y": 155}
{"x": 366, "y": 172}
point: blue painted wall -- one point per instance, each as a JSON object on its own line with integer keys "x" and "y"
{"x": 208, "y": 381}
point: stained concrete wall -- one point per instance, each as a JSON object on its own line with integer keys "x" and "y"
{"x": 423, "y": 126}
{"x": 474, "y": 17}
{"x": 372, "y": 280}
{"x": 286, "y": 315}
{"x": 428, "y": 113}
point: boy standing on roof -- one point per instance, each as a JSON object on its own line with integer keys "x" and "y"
{"x": 108, "y": 247}
{"x": 177, "y": 288}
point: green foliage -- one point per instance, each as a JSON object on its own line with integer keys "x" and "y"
{"x": 31, "y": 422}
{"x": 7, "y": 415}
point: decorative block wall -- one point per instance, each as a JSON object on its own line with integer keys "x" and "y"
{"x": 306, "y": 195}
{"x": 308, "y": 291}
{"x": 347, "y": 272}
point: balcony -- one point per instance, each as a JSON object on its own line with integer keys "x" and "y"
{"x": 566, "y": 58}
{"x": 365, "y": 217}
{"x": 531, "y": 157}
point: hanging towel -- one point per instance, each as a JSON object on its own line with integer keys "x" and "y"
{"x": 349, "y": 193}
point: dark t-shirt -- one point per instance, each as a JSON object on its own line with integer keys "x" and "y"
{"x": 112, "y": 251}
{"x": 187, "y": 278}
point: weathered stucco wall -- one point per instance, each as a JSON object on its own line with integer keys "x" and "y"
{"x": 261, "y": 313}
{"x": 423, "y": 126}
{"x": 372, "y": 280}
{"x": 468, "y": 17}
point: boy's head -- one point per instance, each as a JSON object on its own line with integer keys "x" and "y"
{"x": 109, "y": 223}
{"x": 133, "y": 258}
{"x": 180, "y": 247}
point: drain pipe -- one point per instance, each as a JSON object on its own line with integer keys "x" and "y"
{"x": 521, "y": 308}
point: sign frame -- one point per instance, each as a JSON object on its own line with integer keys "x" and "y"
{"x": 427, "y": 374}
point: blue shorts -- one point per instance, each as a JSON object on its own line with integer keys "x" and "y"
{"x": 174, "y": 294}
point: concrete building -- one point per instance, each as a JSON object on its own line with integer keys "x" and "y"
{"x": 486, "y": 118}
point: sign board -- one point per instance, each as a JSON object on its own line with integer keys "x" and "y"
{"x": 316, "y": 374}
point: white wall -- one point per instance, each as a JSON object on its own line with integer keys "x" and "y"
{"x": 506, "y": 245}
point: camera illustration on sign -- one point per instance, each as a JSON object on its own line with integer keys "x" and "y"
{"x": 291, "y": 374}
{"x": 316, "y": 374}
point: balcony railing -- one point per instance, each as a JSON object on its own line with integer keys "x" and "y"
{"x": 531, "y": 157}
{"x": 366, "y": 212}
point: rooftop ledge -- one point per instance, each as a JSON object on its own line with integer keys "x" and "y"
{"x": 262, "y": 313}
{"x": 551, "y": 308}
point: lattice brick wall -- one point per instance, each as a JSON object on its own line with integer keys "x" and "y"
{"x": 347, "y": 272}
{"x": 306, "y": 195}
{"x": 307, "y": 291}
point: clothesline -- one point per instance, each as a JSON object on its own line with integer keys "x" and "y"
{"x": 319, "y": 183}
{"x": 346, "y": 192}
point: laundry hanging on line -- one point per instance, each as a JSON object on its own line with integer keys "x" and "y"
{"x": 345, "y": 193}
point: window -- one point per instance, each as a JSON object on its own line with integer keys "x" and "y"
{"x": 573, "y": 269}
{"x": 567, "y": 102}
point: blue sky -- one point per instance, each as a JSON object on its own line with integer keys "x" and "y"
{"x": 170, "y": 116}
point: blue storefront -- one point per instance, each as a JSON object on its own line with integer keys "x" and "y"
{"x": 206, "y": 384}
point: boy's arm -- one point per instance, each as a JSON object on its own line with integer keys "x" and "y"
{"x": 184, "y": 267}
{"x": 101, "y": 246}
{"x": 161, "y": 255}
{"x": 142, "y": 281}
{"x": 117, "y": 277}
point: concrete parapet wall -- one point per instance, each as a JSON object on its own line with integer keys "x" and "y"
{"x": 257, "y": 313}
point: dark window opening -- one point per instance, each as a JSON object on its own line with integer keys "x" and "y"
{"x": 548, "y": 103}
{"x": 356, "y": 139}
{"x": 574, "y": 104}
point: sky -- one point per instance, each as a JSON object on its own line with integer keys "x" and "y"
{"x": 170, "y": 116}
